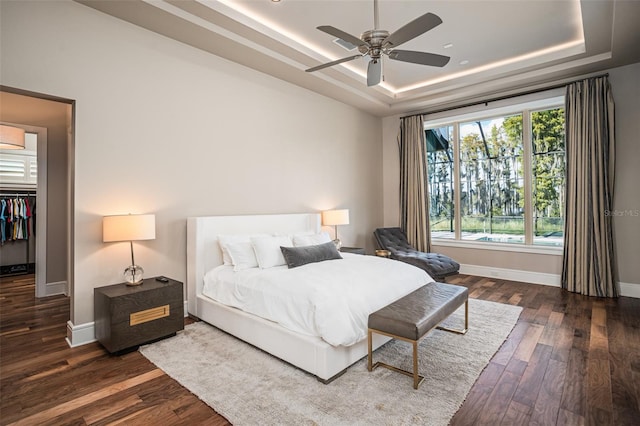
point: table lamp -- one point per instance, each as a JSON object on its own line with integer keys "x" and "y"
{"x": 131, "y": 227}
{"x": 335, "y": 218}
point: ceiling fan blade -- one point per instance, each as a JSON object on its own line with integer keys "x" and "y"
{"x": 374, "y": 72}
{"x": 421, "y": 58}
{"x": 342, "y": 35}
{"x": 330, "y": 64}
{"x": 413, "y": 29}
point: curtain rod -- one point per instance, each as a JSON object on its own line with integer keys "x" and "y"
{"x": 500, "y": 98}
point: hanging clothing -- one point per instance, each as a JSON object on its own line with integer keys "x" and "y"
{"x": 3, "y": 220}
{"x": 16, "y": 218}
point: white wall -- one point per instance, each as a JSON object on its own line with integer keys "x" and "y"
{"x": 164, "y": 128}
{"x": 625, "y": 85}
{"x": 544, "y": 268}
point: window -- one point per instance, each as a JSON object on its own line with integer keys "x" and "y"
{"x": 510, "y": 181}
{"x": 18, "y": 169}
{"x": 441, "y": 187}
{"x": 548, "y": 180}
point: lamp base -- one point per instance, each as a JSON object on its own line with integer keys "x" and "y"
{"x": 133, "y": 275}
{"x": 337, "y": 243}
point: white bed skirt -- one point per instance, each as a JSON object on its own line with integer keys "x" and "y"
{"x": 309, "y": 353}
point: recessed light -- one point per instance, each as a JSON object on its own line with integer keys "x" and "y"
{"x": 448, "y": 46}
{"x": 465, "y": 62}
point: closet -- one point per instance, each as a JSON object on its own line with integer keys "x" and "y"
{"x": 17, "y": 232}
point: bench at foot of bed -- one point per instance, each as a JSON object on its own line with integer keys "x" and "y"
{"x": 413, "y": 316}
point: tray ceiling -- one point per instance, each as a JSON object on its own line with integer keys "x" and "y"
{"x": 494, "y": 45}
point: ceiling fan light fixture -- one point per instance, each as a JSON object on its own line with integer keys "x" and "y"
{"x": 374, "y": 72}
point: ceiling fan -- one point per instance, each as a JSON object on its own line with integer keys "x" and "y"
{"x": 374, "y": 43}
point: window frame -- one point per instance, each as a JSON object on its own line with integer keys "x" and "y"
{"x": 526, "y": 108}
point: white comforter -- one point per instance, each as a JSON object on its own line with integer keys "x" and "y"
{"x": 330, "y": 299}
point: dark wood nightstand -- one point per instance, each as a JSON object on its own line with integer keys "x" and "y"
{"x": 128, "y": 316}
{"x": 354, "y": 250}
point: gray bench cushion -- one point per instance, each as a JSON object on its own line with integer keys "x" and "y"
{"x": 418, "y": 312}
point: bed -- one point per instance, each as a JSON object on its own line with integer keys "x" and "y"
{"x": 306, "y": 351}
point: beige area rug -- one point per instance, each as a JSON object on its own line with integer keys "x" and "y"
{"x": 251, "y": 387}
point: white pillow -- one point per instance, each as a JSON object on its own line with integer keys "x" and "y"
{"x": 242, "y": 255}
{"x": 223, "y": 240}
{"x": 310, "y": 240}
{"x": 268, "y": 251}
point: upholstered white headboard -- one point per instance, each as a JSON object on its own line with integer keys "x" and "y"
{"x": 203, "y": 251}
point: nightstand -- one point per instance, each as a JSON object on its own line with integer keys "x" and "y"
{"x": 354, "y": 250}
{"x": 128, "y": 316}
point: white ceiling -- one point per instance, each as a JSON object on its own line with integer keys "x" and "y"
{"x": 497, "y": 45}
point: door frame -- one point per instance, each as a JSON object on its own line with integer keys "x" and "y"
{"x": 41, "y": 219}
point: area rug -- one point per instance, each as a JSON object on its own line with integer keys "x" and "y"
{"x": 251, "y": 387}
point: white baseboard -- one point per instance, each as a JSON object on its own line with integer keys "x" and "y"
{"x": 81, "y": 334}
{"x": 629, "y": 290}
{"x": 78, "y": 335}
{"x": 553, "y": 280}
{"x": 59, "y": 287}
{"x": 512, "y": 275}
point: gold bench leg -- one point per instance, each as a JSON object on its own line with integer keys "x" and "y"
{"x": 466, "y": 322}
{"x": 417, "y": 378}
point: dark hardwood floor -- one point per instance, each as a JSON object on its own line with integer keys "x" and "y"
{"x": 45, "y": 382}
{"x": 569, "y": 360}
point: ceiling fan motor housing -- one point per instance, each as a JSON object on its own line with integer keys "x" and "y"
{"x": 374, "y": 38}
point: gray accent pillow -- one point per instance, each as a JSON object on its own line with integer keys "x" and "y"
{"x": 298, "y": 256}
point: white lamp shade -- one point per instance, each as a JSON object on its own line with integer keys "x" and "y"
{"x": 335, "y": 217}
{"x": 131, "y": 227}
{"x": 11, "y": 137}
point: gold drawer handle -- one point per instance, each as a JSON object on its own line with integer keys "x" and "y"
{"x": 149, "y": 315}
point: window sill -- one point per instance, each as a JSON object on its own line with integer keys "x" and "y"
{"x": 519, "y": 248}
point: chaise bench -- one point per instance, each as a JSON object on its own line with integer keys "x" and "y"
{"x": 437, "y": 265}
{"x": 411, "y": 317}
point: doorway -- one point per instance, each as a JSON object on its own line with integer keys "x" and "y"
{"x": 50, "y": 119}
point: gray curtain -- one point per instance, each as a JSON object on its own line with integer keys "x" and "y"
{"x": 414, "y": 200}
{"x": 589, "y": 258}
